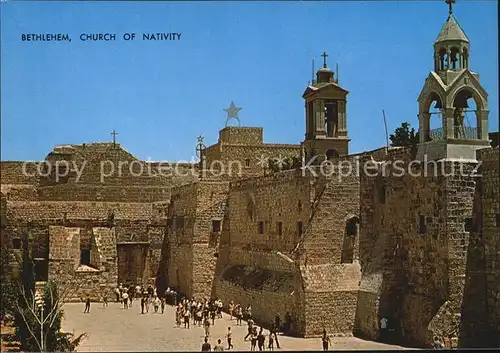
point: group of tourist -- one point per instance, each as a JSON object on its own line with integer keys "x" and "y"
{"x": 204, "y": 313}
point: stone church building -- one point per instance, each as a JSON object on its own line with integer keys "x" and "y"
{"x": 337, "y": 251}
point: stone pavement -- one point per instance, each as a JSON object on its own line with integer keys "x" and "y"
{"x": 117, "y": 329}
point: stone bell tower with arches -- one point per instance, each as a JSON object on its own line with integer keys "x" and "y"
{"x": 450, "y": 92}
{"x": 326, "y": 123}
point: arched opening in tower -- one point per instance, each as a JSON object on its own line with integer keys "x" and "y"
{"x": 331, "y": 118}
{"x": 435, "y": 118}
{"x": 465, "y": 116}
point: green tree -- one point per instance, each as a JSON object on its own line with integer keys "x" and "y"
{"x": 38, "y": 316}
{"x": 404, "y": 136}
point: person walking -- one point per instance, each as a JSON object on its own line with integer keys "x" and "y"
{"x": 186, "y": 318}
{"x": 162, "y": 305}
{"x": 271, "y": 341}
{"x": 273, "y": 333}
{"x": 87, "y": 305}
{"x": 206, "y": 326}
{"x": 105, "y": 300}
{"x": 230, "y": 310}
{"x": 125, "y": 300}
{"x": 325, "y": 340}
{"x": 261, "y": 339}
{"x": 250, "y": 328}
{"x": 383, "y": 329}
{"x": 253, "y": 340}
{"x": 118, "y": 294}
{"x": 229, "y": 337}
{"x": 239, "y": 315}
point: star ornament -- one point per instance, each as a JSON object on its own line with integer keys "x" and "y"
{"x": 263, "y": 161}
{"x": 232, "y": 111}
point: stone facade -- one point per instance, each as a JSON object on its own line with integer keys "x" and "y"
{"x": 113, "y": 202}
{"x": 428, "y": 248}
{"x": 336, "y": 250}
{"x": 282, "y": 245}
{"x": 240, "y": 151}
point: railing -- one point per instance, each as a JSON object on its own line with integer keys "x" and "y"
{"x": 436, "y": 134}
{"x": 460, "y": 132}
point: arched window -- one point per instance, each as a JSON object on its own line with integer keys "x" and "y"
{"x": 351, "y": 240}
{"x": 332, "y": 153}
{"x": 455, "y": 58}
{"x": 443, "y": 59}
{"x": 465, "y": 58}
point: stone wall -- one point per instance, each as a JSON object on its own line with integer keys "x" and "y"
{"x": 190, "y": 250}
{"x": 270, "y": 218}
{"x": 237, "y": 135}
{"x": 18, "y": 173}
{"x": 490, "y": 240}
{"x": 64, "y": 263}
{"x": 328, "y": 256}
{"x": 413, "y": 244}
{"x": 240, "y": 151}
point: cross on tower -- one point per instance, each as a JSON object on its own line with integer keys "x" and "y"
{"x": 114, "y": 133}
{"x": 450, "y": 5}
{"x": 324, "y": 55}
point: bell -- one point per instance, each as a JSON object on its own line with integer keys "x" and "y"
{"x": 438, "y": 104}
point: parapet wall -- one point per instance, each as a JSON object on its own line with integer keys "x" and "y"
{"x": 18, "y": 173}
{"x": 241, "y": 135}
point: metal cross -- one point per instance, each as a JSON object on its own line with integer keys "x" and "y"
{"x": 450, "y": 4}
{"x": 324, "y": 55}
{"x": 114, "y": 133}
{"x": 200, "y": 147}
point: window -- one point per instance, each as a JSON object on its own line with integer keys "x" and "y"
{"x": 41, "y": 270}
{"x": 498, "y": 219}
{"x": 85, "y": 257}
{"x": 352, "y": 227}
{"x": 247, "y": 162}
{"x": 279, "y": 228}
{"x": 381, "y": 194}
{"x": 179, "y": 222}
{"x": 422, "y": 225}
{"x": 299, "y": 229}
{"x": 469, "y": 225}
{"x": 261, "y": 227}
{"x": 216, "y": 226}
{"x": 16, "y": 243}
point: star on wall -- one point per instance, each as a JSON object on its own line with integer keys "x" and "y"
{"x": 263, "y": 161}
{"x": 232, "y": 111}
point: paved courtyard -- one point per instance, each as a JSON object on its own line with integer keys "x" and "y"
{"x": 117, "y": 329}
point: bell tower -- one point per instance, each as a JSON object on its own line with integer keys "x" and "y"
{"x": 326, "y": 127}
{"x": 452, "y": 99}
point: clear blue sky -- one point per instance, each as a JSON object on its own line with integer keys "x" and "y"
{"x": 160, "y": 96}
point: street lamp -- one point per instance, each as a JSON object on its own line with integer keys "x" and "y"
{"x": 39, "y": 302}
